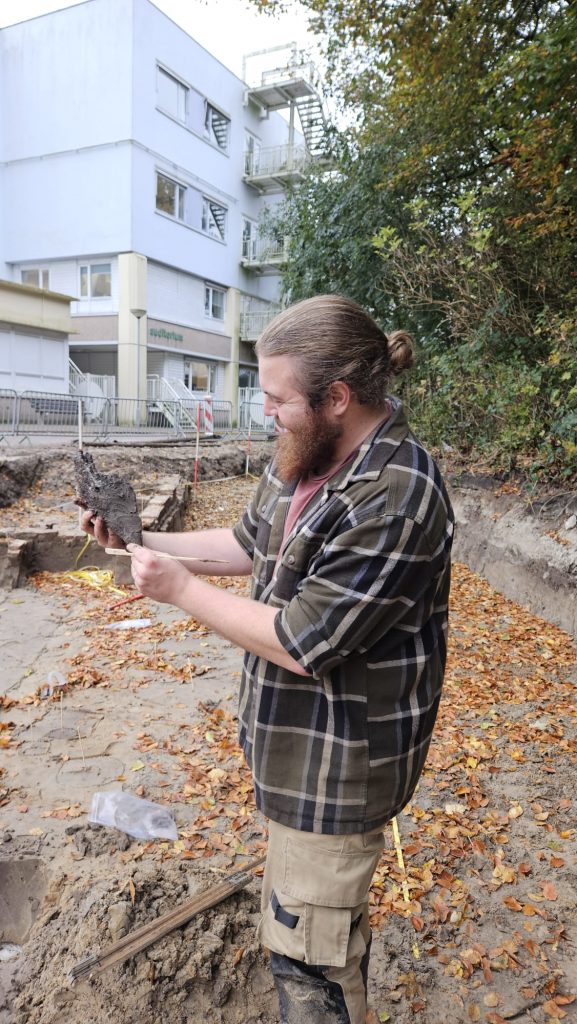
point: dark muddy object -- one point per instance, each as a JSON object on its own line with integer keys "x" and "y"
{"x": 109, "y": 496}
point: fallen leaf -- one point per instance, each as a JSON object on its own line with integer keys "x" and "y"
{"x": 512, "y": 903}
{"x": 491, "y": 999}
{"x": 553, "y": 1010}
{"x": 549, "y": 891}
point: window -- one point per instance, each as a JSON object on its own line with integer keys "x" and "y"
{"x": 199, "y": 376}
{"x": 249, "y": 239}
{"x": 216, "y": 127}
{"x": 95, "y": 281}
{"x": 170, "y": 196}
{"x": 247, "y": 378}
{"x": 213, "y": 219}
{"x": 172, "y": 95}
{"x": 214, "y": 299}
{"x": 251, "y": 154}
{"x": 36, "y": 277}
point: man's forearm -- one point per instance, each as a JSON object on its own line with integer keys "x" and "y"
{"x": 220, "y": 544}
{"x": 241, "y": 620}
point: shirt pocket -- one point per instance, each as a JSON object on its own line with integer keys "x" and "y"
{"x": 294, "y": 566}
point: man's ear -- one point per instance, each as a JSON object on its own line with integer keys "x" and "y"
{"x": 338, "y": 397}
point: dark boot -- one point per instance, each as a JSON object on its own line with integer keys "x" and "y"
{"x": 305, "y": 995}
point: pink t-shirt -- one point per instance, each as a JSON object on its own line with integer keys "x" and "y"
{"x": 304, "y": 491}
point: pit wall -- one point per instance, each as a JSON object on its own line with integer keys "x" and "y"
{"x": 518, "y": 556}
{"x": 513, "y": 551}
{"x": 58, "y": 551}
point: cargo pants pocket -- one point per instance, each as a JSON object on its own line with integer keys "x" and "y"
{"x": 315, "y": 896}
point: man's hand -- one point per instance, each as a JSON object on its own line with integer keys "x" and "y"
{"x": 162, "y": 579}
{"x": 97, "y": 528}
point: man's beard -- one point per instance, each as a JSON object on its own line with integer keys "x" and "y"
{"x": 308, "y": 450}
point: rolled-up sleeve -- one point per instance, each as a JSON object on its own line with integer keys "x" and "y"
{"x": 367, "y": 583}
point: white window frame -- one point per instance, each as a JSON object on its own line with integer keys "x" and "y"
{"x": 209, "y": 222}
{"x": 249, "y": 238}
{"x": 178, "y": 211}
{"x": 210, "y": 292}
{"x": 182, "y": 91}
{"x": 42, "y": 277}
{"x": 210, "y": 373}
{"x": 212, "y": 117}
{"x": 90, "y": 270}
{"x": 252, "y": 148}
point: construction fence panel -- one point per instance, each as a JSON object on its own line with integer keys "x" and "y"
{"x": 59, "y": 415}
{"x": 137, "y": 417}
{"x": 8, "y": 411}
{"x": 52, "y": 413}
{"x": 222, "y": 413}
{"x": 252, "y": 419}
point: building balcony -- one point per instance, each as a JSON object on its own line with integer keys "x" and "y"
{"x": 254, "y": 321}
{"x": 264, "y": 255}
{"x": 275, "y": 169}
{"x": 278, "y": 87}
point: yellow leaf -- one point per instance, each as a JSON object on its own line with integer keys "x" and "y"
{"x": 491, "y": 999}
{"x": 137, "y": 766}
{"x": 132, "y": 888}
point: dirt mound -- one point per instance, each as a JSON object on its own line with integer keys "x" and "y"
{"x": 211, "y": 970}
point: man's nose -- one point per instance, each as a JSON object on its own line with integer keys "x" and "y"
{"x": 269, "y": 407}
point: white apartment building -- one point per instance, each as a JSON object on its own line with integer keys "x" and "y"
{"x": 134, "y": 170}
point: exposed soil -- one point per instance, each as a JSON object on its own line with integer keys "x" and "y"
{"x": 487, "y": 928}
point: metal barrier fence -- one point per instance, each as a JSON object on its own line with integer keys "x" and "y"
{"x": 252, "y": 419}
{"x": 35, "y": 413}
{"x": 8, "y": 411}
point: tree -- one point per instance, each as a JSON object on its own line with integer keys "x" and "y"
{"x": 460, "y": 171}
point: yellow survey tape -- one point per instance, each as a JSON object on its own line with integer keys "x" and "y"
{"x": 404, "y": 884}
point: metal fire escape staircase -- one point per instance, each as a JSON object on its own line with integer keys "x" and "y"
{"x": 290, "y": 86}
{"x": 314, "y": 126}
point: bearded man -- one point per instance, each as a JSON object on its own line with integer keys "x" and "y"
{"x": 348, "y": 540}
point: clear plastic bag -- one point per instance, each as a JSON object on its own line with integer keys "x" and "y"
{"x": 139, "y": 818}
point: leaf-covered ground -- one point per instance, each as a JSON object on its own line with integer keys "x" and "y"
{"x": 481, "y": 923}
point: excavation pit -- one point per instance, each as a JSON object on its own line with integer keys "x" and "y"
{"x": 23, "y": 885}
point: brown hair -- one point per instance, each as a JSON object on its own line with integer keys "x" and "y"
{"x": 332, "y": 338}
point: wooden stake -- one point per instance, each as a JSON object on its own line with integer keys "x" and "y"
{"x": 164, "y": 554}
{"x": 197, "y": 446}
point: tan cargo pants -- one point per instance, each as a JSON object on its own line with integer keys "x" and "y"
{"x": 315, "y": 904}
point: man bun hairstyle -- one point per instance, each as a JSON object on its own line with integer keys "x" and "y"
{"x": 401, "y": 351}
{"x": 332, "y": 338}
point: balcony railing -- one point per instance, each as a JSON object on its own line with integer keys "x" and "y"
{"x": 263, "y": 253}
{"x": 253, "y": 323}
{"x": 279, "y": 161}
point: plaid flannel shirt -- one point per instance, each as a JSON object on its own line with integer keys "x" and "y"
{"x": 362, "y": 587}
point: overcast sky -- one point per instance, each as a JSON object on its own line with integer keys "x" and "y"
{"x": 227, "y": 28}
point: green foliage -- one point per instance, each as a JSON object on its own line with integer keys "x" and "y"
{"x": 452, "y": 210}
